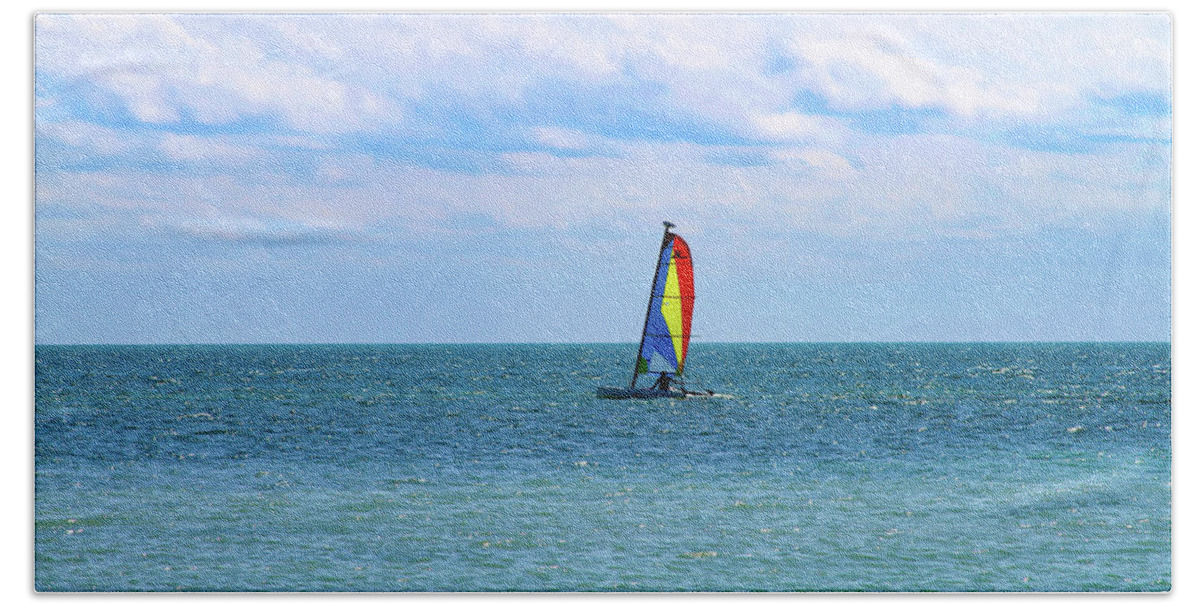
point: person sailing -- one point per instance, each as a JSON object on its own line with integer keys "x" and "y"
{"x": 663, "y": 383}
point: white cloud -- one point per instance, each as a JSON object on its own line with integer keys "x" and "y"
{"x": 1019, "y": 65}
{"x": 196, "y": 148}
{"x": 829, "y": 162}
{"x": 897, "y": 187}
{"x": 163, "y": 66}
{"x": 265, "y": 230}
{"x": 872, "y": 65}
{"x": 564, "y": 139}
{"x": 337, "y": 74}
{"x": 532, "y": 162}
{"x": 87, "y": 137}
{"x": 794, "y": 126}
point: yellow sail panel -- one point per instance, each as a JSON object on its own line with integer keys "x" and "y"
{"x": 672, "y": 311}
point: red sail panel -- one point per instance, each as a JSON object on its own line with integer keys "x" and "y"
{"x": 687, "y": 291}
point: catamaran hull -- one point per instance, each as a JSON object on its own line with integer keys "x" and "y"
{"x": 613, "y": 392}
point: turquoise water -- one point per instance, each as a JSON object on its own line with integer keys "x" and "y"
{"x": 873, "y": 467}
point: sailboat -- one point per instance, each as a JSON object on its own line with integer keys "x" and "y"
{"x": 668, "y": 327}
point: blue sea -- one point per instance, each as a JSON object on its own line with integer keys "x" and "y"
{"x": 826, "y": 467}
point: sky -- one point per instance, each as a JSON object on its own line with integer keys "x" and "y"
{"x": 503, "y": 178}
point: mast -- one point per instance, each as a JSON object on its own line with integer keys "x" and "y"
{"x": 666, "y": 240}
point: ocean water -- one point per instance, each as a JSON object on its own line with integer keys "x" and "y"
{"x": 845, "y": 467}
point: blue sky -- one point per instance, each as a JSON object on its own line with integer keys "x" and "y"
{"x": 497, "y": 178}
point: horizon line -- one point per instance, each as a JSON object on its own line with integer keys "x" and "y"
{"x": 631, "y": 343}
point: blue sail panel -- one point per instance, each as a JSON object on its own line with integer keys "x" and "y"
{"x": 658, "y": 350}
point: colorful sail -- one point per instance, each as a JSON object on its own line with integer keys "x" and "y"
{"x": 669, "y": 316}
